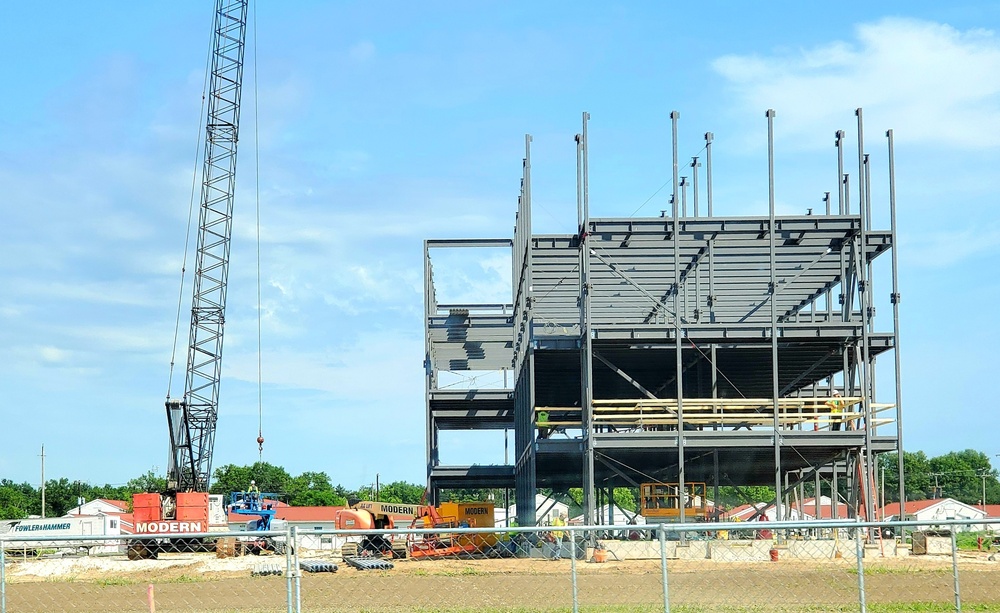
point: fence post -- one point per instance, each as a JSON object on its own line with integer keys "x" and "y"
{"x": 298, "y": 572}
{"x": 572, "y": 569}
{"x": 288, "y": 566}
{"x": 3, "y": 579}
{"x": 663, "y": 567}
{"x": 860, "y": 554}
{"x": 954, "y": 570}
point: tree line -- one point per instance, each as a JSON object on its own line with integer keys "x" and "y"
{"x": 20, "y": 500}
{"x": 958, "y": 474}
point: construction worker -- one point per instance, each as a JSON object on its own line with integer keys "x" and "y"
{"x": 559, "y": 520}
{"x": 836, "y": 405}
{"x": 543, "y": 424}
{"x": 253, "y": 495}
{"x": 556, "y": 536}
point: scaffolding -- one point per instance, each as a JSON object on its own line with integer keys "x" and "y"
{"x": 684, "y": 348}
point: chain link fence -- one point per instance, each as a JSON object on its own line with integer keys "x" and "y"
{"x": 732, "y": 567}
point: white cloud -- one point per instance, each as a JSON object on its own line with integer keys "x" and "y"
{"x": 52, "y": 355}
{"x": 362, "y": 51}
{"x": 122, "y": 292}
{"x": 947, "y": 248}
{"x": 350, "y": 371}
{"x": 349, "y": 162}
{"x": 932, "y": 82}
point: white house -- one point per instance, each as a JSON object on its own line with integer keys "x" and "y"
{"x": 745, "y": 512}
{"x": 610, "y": 515}
{"x": 934, "y": 510}
{"x": 546, "y": 509}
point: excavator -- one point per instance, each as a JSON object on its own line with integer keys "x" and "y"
{"x": 191, "y": 419}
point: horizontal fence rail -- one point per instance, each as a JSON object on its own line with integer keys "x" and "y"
{"x": 840, "y": 565}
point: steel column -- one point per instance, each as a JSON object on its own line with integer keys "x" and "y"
{"x": 586, "y": 347}
{"x": 772, "y": 289}
{"x": 839, "y": 143}
{"x": 678, "y": 332}
{"x": 694, "y": 170}
{"x": 863, "y": 291}
{"x": 895, "y": 298}
{"x": 708, "y": 169}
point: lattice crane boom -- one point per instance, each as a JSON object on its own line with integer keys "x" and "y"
{"x": 192, "y": 419}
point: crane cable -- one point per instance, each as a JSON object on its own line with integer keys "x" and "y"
{"x": 256, "y": 150}
{"x": 191, "y": 206}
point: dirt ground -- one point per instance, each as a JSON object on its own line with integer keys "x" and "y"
{"x": 201, "y": 582}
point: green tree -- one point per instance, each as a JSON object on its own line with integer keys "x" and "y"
{"x": 313, "y": 489}
{"x": 625, "y": 498}
{"x": 731, "y": 496}
{"x": 230, "y": 478}
{"x": 494, "y": 495}
{"x": 15, "y": 499}
{"x": 148, "y": 482}
{"x": 401, "y": 492}
{"x": 916, "y": 472}
{"x": 233, "y": 478}
{"x": 959, "y": 475}
{"x": 61, "y": 495}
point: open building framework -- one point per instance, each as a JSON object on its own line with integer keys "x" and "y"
{"x": 677, "y": 349}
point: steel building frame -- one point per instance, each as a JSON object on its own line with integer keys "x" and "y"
{"x": 730, "y": 331}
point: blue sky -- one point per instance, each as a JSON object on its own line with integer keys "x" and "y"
{"x": 382, "y": 124}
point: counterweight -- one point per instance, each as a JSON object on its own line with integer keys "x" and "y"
{"x": 192, "y": 419}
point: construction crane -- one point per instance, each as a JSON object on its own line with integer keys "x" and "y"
{"x": 184, "y": 507}
{"x": 191, "y": 419}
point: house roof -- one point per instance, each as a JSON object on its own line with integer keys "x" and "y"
{"x": 121, "y": 504}
{"x": 992, "y": 510}
{"x": 824, "y": 509}
{"x": 746, "y": 511}
{"x": 915, "y": 506}
{"x": 294, "y": 514}
{"x": 911, "y": 507}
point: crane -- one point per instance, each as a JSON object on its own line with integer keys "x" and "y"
{"x": 191, "y": 419}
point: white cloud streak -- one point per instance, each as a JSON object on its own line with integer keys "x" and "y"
{"x": 932, "y": 81}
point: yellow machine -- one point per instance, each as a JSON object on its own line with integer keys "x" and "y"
{"x": 471, "y": 515}
{"x": 664, "y": 501}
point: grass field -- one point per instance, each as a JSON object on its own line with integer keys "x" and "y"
{"x": 521, "y": 586}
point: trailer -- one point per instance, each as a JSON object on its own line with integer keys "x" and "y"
{"x": 28, "y": 537}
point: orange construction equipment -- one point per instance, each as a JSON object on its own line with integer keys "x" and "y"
{"x": 449, "y": 516}
{"x": 369, "y": 515}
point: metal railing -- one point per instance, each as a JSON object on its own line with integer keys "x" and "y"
{"x": 840, "y": 565}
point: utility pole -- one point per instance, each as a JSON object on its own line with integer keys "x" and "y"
{"x": 983, "y": 476}
{"x": 43, "y": 480}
